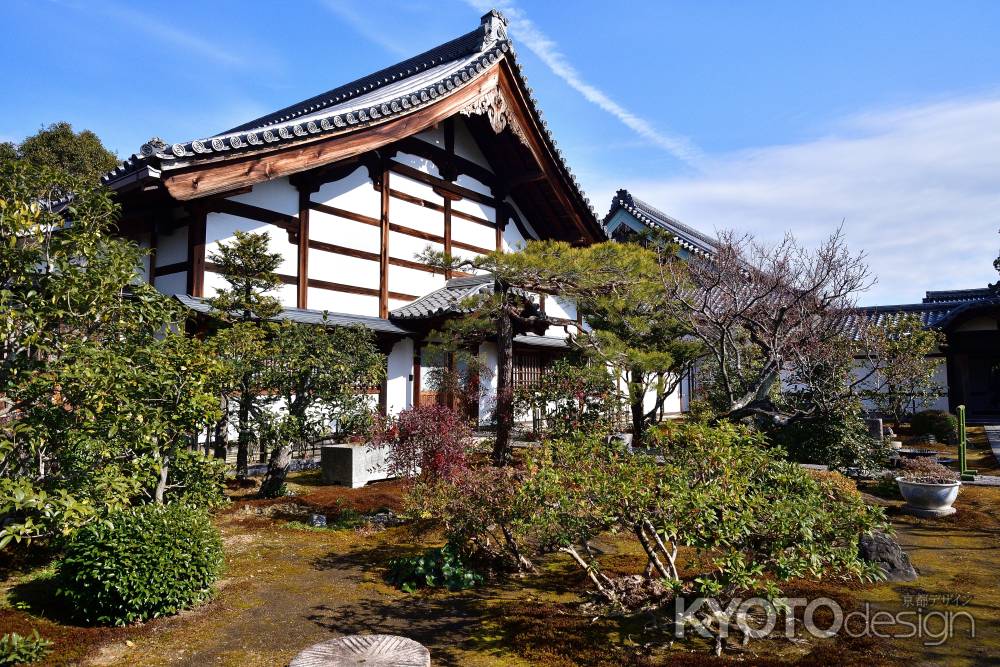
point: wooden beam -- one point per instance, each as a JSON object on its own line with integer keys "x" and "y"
{"x": 383, "y": 283}
{"x": 344, "y": 213}
{"x": 196, "y": 252}
{"x": 167, "y": 269}
{"x": 289, "y": 223}
{"x": 201, "y": 179}
{"x": 447, "y": 186}
{"x": 418, "y": 201}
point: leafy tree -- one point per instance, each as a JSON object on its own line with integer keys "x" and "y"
{"x": 322, "y": 374}
{"x": 58, "y": 147}
{"x": 631, "y": 324}
{"x": 97, "y": 390}
{"x": 903, "y": 380}
{"x": 248, "y": 266}
{"x": 617, "y": 284}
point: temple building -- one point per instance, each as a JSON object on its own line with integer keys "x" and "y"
{"x": 447, "y": 149}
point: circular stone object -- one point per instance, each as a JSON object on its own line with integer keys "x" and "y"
{"x": 367, "y": 650}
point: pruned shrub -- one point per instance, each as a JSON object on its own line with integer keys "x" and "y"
{"x": 839, "y": 440}
{"x": 18, "y": 650}
{"x": 942, "y": 425}
{"x": 141, "y": 563}
{"x": 427, "y": 440}
{"x": 199, "y": 480}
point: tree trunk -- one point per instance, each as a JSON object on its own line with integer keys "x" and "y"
{"x": 637, "y": 400}
{"x": 277, "y": 470}
{"x": 505, "y": 388}
{"x": 161, "y": 484}
{"x": 243, "y": 445}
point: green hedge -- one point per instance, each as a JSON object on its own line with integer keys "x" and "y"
{"x": 942, "y": 425}
{"x": 143, "y": 562}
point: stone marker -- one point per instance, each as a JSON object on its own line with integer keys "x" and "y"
{"x": 367, "y": 650}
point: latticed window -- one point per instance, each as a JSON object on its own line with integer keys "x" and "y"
{"x": 528, "y": 368}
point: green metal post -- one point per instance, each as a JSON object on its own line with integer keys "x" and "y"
{"x": 967, "y": 475}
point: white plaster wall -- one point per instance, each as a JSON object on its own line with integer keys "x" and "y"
{"x": 343, "y": 269}
{"x": 412, "y": 281}
{"x": 465, "y": 145}
{"x": 403, "y": 246}
{"x": 342, "y": 302}
{"x": 277, "y": 195}
{"x": 940, "y": 378}
{"x": 222, "y": 227}
{"x": 512, "y": 238}
{"x": 556, "y": 306}
{"x": 174, "y": 283}
{"x": 343, "y": 232}
{"x": 172, "y": 248}
{"x": 524, "y": 219}
{"x": 488, "y": 385}
{"x": 466, "y": 231}
{"x": 462, "y": 253}
{"x": 483, "y": 211}
{"x": 471, "y": 183}
{"x": 418, "y": 162}
{"x": 417, "y": 217}
{"x": 351, "y": 193}
{"x": 399, "y": 387}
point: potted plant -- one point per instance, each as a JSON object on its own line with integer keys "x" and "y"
{"x": 928, "y": 487}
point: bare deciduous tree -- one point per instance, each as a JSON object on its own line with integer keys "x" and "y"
{"x": 774, "y": 313}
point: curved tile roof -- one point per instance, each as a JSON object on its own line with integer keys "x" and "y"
{"x": 687, "y": 237}
{"x": 444, "y": 301}
{"x": 377, "y": 98}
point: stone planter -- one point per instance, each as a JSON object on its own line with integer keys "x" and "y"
{"x": 928, "y": 500}
{"x": 353, "y": 465}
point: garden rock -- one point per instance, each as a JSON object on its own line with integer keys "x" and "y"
{"x": 317, "y": 521}
{"x": 885, "y": 552}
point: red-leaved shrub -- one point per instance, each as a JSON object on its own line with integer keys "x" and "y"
{"x": 429, "y": 441}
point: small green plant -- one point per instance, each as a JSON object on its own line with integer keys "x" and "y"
{"x": 436, "y": 568}
{"x": 18, "y": 650}
{"x": 942, "y": 425}
{"x": 149, "y": 561}
{"x": 200, "y": 480}
{"x": 279, "y": 492}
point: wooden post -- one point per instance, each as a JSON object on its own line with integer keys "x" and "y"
{"x": 383, "y": 285}
{"x": 416, "y": 374}
{"x": 196, "y": 252}
{"x": 303, "y": 271}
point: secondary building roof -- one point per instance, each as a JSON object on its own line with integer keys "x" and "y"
{"x": 938, "y": 310}
{"x": 687, "y": 237}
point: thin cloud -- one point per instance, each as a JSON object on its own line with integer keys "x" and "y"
{"x": 156, "y": 28}
{"x": 916, "y": 187}
{"x": 527, "y": 33}
{"x": 360, "y": 24}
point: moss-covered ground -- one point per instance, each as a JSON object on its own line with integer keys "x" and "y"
{"x": 288, "y": 586}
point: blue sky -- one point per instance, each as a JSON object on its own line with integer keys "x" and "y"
{"x": 763, "y": 117}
